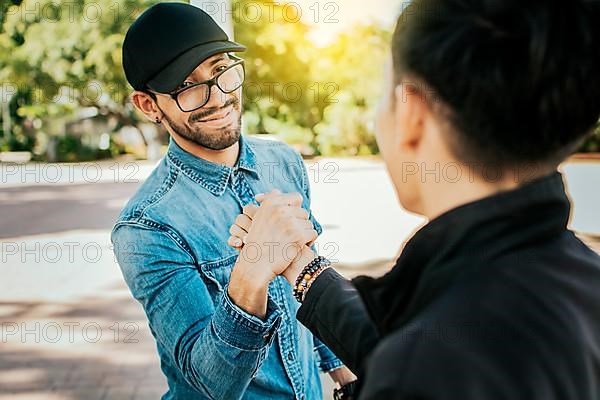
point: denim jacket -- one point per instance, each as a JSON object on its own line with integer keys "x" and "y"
{"x": 171, "y": 244}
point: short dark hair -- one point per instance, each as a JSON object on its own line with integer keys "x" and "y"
{"x": 521, "y": 79}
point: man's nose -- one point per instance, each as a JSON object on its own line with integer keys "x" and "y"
{"x": 217, "y": 98}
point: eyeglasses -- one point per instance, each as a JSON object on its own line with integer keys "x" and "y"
{"x": 196, "y": 96}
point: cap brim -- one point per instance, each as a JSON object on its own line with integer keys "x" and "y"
{"x": 171, "y": 77}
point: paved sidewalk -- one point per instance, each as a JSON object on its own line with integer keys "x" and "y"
{"x": 69, "y": 328}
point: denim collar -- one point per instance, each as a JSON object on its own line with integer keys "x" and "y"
{"x": 213, "y": 177}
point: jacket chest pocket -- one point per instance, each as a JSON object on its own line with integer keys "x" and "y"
{"x": 217, "y": 273}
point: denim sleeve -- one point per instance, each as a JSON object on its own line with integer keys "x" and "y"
{"x": 216, "y": 346}
{"x": 328, "y": 360}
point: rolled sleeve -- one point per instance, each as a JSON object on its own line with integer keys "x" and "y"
{"x": 327, "y": 360}
{"x": 244, "y": 331}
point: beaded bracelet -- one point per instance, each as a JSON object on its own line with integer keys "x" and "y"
{"x": 313, "y": 279}
{"x": 309, "y": 269}
{"x": 307, "y": 274}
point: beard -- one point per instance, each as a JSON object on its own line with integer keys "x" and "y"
{"x": 219, "y": 139}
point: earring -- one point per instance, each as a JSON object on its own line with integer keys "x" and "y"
{"x": 158, "y": 121}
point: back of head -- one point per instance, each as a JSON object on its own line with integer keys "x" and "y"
{"x": 519, "y": 80}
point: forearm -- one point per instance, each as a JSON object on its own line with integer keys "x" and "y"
{"x": 333, "y": 312}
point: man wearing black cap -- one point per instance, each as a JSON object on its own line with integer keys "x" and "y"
{"x": 223, "y": 322}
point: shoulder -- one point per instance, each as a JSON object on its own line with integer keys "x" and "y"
{"x": 156, "y": 189}
{"x": 265, "y": 148}
{"x": 148, "y": 190}
{"x": 495, "y": 337}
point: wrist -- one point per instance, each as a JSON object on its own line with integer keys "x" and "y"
{"x": 308, "y": 277}
{"x": 302, "y": 260}
{"x": 252, "y": 273}
{"x": 342, "y": 376}
{"x": 249, "y": 290}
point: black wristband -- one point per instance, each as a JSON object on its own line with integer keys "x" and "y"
{"x": 346, "y": 392}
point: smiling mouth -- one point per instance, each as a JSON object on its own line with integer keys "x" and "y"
{"x": 218, "y": 116}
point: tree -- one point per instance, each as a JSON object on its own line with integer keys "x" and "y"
{"x": 279, "y": 88}
{"x": 304, "y": 94}
{"x": 61, "y": 57}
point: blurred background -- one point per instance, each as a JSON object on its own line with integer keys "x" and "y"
{"x": 73, "y": 150}
{"x": 314, "y": 76}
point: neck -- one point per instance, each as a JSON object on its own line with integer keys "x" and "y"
{"x": 227, "y": 157}
{"x": 441, "y": 197}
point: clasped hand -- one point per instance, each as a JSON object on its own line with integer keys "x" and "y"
{"x": 275, "y": 236}
{"x": 275, "y": 239}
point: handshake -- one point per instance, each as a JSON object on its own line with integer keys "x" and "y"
{"x": 273, "y": 238}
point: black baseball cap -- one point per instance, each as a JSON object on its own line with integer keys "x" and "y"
{"x": 167, "y": 42}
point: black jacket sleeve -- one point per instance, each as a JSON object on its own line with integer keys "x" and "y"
{"x": 334, "y": 312}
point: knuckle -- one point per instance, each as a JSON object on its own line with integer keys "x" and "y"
{"x": 288, "y": 230}
{"x": 270, "y": 199}
{"x": 250, "y": 209}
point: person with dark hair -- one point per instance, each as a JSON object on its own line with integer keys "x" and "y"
{"x": 494, "y": 298}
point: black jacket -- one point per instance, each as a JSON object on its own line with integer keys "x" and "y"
{"x": 492, "y": 300}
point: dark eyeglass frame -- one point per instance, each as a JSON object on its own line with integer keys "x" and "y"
{"x": 211, "y": 82}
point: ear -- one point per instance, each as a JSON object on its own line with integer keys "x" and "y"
{"x": 411, "y": 109}
{"x": 147, "y": 105}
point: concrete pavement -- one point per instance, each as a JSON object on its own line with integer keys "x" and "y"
{"x": 69, "y": 328}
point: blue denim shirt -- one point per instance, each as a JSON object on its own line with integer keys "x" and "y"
{"x": 171, "y": 244}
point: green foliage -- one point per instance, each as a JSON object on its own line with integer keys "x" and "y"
{"x": 347, "y": 127}
{"x": 322, "y": 98}
{"x": 61, "y": 57}
{"x": 592, "y": 143}
{"x": 70, "y": 149}
{"x": 278, "y": 85}
{"x": 57, "y": 57}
